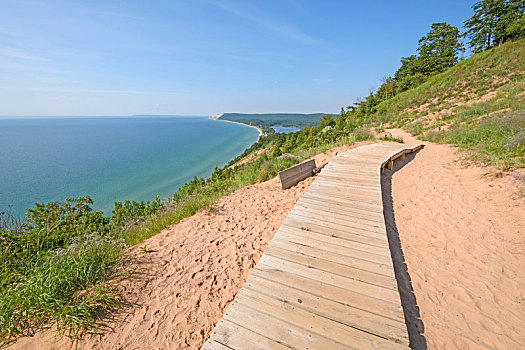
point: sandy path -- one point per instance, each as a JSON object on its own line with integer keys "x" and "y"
{"x": 192, "y": 272}
{"x": 463, "y": 239}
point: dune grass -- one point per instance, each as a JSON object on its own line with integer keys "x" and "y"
{"x": 498, "y": 140}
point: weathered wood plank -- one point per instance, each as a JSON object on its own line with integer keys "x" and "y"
{"x": 299, "y": 172}
{"x": 235, "y": 336}
{"x": 312, "y": 239}
{"x": 319, "y": 263}
{"x": 276, "y": 329}
{"x": 333, "y": 222}
{"x": 329, "y": 291}
{"x": 346, "y": 217}
{"x": 330, "y": 278}
{"x": 375, "y": 215}
{"x": 323, "y": 328}
{"x": 309, "y": 221}
{"x": 356, "y": 318}
{"x": 355, "y": 203}
{"x": 213, "y": 345}
{"x": 358, "y": 236}
{"x": 351, "y": 203}
{"x": 338, "y": 241}
{"x": 327, "y": 254}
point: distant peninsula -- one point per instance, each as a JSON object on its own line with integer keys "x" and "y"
{"x": 265, "y": 121}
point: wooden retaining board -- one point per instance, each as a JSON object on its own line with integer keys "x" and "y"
{"x": 326, "y": 280}
{"x": 299, "y": 172}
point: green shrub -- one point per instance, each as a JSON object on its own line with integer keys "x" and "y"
{"x": 67, "y": 285}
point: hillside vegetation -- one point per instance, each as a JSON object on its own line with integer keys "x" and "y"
{"x": 478, "y": 104}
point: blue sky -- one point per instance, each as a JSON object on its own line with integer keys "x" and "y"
{"x": 199, "y": 57}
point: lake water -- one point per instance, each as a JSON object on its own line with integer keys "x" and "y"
{"x": 110, "y": 159}
{"x": 285, "y": 129}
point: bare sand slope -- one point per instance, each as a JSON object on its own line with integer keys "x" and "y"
{"x": 462, "y": 235}
{"x": 192, "y": 272}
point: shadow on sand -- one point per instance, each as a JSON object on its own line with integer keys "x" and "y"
{"x": 404, "y": 283}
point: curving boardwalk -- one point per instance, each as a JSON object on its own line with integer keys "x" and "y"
{"x": 326, "y": 280}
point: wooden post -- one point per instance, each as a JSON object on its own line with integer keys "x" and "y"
{"x": 403, "y": 156}
{"x": 391, "y": 165}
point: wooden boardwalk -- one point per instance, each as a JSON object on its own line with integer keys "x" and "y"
{"x": 326, "y": 280}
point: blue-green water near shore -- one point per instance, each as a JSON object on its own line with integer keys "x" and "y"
{"x": 111, "y": 158}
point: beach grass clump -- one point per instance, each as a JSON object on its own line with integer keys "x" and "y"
{"x": 55, "y": 267}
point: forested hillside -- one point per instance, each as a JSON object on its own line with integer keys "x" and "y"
{"x": 267, "y": 120}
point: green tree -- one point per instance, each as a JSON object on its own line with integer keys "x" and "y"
{"x": 326, "y": 120}
{"x": 489, "y": 24}
{"x": 340, "y": 120}
{"x": 410, "y": 74}
{"x": 438, "y": 50}
{"x": 516, "y": 30}
{"x": 513, "y": 12}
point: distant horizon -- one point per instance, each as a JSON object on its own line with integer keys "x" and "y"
{"x": 146, "y": 115}
{"x": 177, "y": 57}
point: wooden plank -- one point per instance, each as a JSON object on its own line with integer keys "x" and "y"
{"x": 329, "y": 291}
{"x": 213, "y": 345}
{"x": 348, "y": 216}
{"x": 323, "y": 328}
{"x": 349, "y": 210}
{"x": 348, "y": 315}
{"x": 338, "y": 241}
{"x": 318, "y": 217}
{"x": 350, "y": 203}
{"x": 235, "y": 336}
{"x": 344, "y": 270}
{"x": 364, "y": 202}
{"x": 332, "y": 188}
{"x": 324, "y": 252}
{"x": 371, "y": 189}
{"x": 377, "y": 241}
{"x": 299, "y": 172}
{"x": 371, "y": 290}
{"x": 309, "y": 238}
{"x": 373, "y": 203}
{"x": 347, "y": 190}
{"x": 345, "y": 180}
{"x": 312, "y": 222}
{"x": 278, "y": 330}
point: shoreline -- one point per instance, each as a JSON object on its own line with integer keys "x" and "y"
{"x": 251, "y": 126}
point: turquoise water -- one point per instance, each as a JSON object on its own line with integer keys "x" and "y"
{"x": 285, "y": 129}
{"x": 110, "y": 159}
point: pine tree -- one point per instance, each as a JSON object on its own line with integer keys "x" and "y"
{"x": 438, "y": 50}
{"x": 490, "y": 22}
